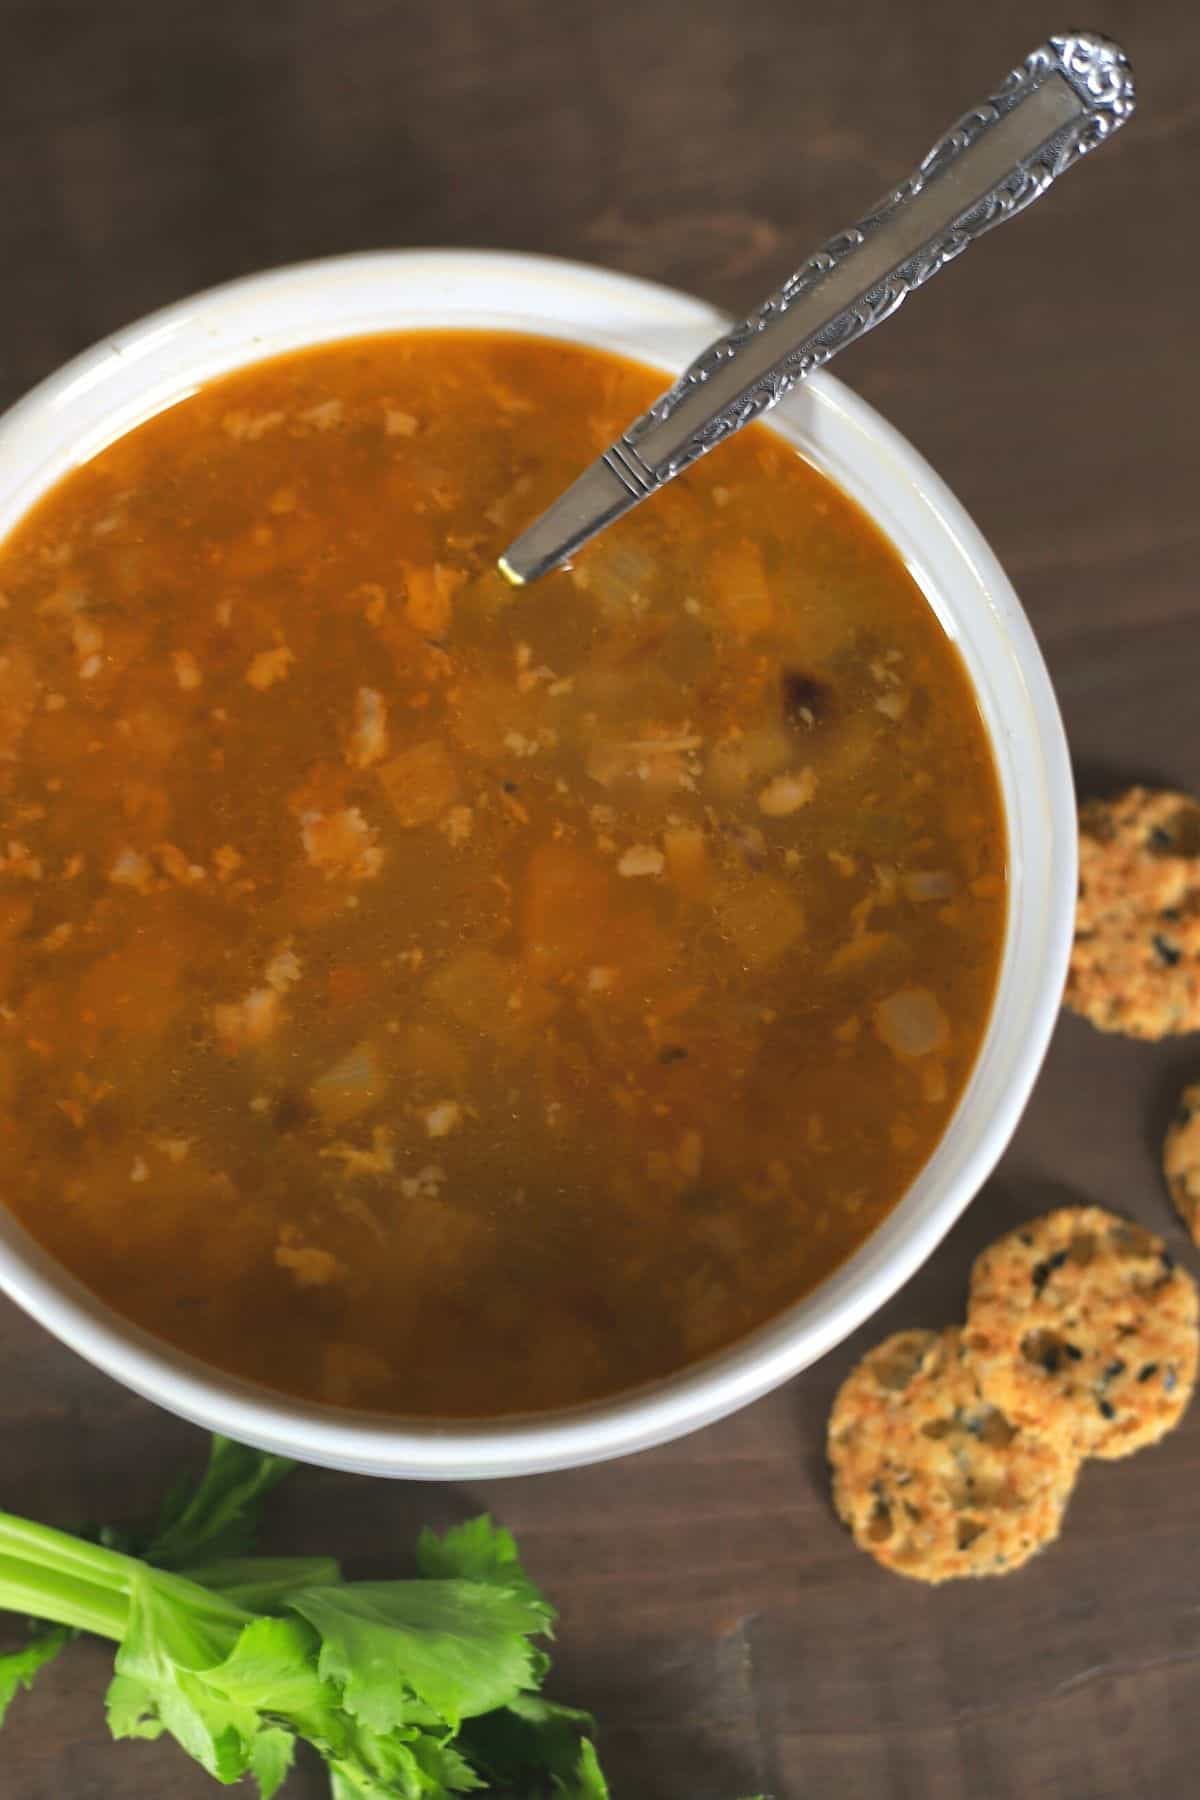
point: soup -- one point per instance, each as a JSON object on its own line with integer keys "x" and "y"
{"x": 432, "y": 996}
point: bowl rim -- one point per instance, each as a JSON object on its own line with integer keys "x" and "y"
{"x": 655, "y": 324}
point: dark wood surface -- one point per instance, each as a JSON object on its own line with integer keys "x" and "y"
{"x": 714, "y": 1614}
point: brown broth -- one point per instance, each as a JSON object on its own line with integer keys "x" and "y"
{"x": 431, "y": 996}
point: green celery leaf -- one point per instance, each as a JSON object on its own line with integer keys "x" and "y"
{"x": 271, "y": 1759}
{"x": 395, "y": 1775}
{"x": 478, "y": 1551}
{"x": 129, "y": 1704}
{"x": 175, "y": 1624}
{"x": 223, "y": 1714}
{"x": 531, "y": 1736}
{"x": 588, "y": 1781}
{"x": 460, "y": 1646}
{"x": 220, "y": 1518}
{"x": 348, "y": 1781}
{"x": 263, "y": 1583}
{"x": 218, "y": 1737}
{"x": 176, "y": 1630}
{"x": 272, "y": 1669}
{"x": 441, "y": 1763}
{"x": 19, "y": 1667}
{"x": 400, "y": 1765}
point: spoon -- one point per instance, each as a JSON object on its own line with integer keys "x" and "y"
{"x": 1067, "y": 97}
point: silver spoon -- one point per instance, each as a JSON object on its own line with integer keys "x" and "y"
{"x": 1067, "y": 97}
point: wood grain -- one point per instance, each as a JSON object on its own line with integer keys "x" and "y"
{"x": 714, "y": 1614}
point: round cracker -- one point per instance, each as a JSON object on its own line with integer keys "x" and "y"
{"x": 1082, "y": 1327}
{"x": 1135, "y": 962}
{"x": 1181, "y": 1159}
{"x": 933, "y": 1481}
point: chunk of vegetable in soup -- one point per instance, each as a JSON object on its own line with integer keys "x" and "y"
{"x": 432, "y": 996}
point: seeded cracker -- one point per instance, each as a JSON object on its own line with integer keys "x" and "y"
{"x": 1082, "y": 1328}
{"x": 1135, "y": 964}
{"x": 933, "y": 1481}
{"x": 1181, "y": 1159}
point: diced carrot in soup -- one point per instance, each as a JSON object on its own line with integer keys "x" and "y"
{"x": 350, "y": 1087}
{"x": 420, "y": 782}
{"x": 565, "y": 909}
{"x": 740, "y": 589}
{"x": 687, "y": 859}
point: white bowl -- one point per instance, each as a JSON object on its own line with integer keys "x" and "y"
{"x": 132, "y": 375}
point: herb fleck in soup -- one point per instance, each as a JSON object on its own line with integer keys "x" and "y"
{"x": 433, "y": 996}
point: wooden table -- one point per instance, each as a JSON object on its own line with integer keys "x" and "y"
{"x": 714, "y": 1614}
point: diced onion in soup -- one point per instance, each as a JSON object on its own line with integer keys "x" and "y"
{"x": 928, "y": 884}
{"x": 911, "y": 1023}
{"x": 351, "y": 1087}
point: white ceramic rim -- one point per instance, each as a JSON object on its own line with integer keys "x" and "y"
{"x": 147, "y": 366}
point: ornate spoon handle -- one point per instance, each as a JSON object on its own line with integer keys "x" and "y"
{"x": 1065, "y": 98}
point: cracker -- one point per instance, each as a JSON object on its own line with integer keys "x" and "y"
{"x": 1082, "y": 1328}
{"x": 1181, "y": 1159}
{"x": 1135, "y": 963}
{"x": 933, "y": 1481}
